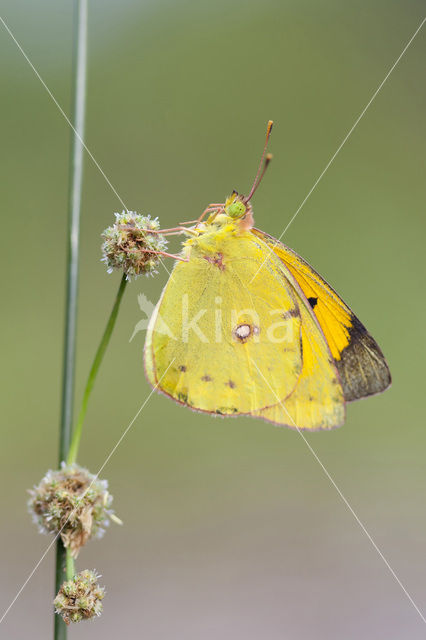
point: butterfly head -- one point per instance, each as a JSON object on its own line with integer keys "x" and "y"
{"x": 235, "y": 207}
{"x": 238, "y": 208}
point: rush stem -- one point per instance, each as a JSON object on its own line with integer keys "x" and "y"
{"x": 70, "y": 566}
{"x": 73, "y": 241}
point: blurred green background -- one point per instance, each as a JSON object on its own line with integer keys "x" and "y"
{"x": 232, "y": 530}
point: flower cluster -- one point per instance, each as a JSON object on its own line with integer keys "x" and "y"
{"x": 80, "y": 598}
{"x": 130, "y": 245}
{"x": 74, "y": 503}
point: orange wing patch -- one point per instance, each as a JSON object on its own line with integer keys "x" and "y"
{"x": 334, "y": 318}
{"x": 360, "y": 362}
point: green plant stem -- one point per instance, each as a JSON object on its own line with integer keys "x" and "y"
{"x": 70, "y": 566}
{"x": 74, "y": 206}
{"x": 76, "y": 436}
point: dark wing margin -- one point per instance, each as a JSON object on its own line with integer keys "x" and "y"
{"x": 362, "y": 366}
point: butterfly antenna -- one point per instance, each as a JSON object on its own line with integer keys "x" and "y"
{"x": 263, "y": 164}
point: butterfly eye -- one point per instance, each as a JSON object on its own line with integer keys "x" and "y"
{"x": 236, "y": 209}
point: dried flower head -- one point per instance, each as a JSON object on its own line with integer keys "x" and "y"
{"x": 129, "y": 245}
{"x": 80, "y": 598}
{"x": 75, "y": 503}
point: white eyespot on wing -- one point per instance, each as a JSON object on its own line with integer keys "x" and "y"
{"x": 242, "y": 332}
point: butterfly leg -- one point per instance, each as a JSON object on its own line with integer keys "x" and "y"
{"x": 171, "y": 231}
{"x": 214, "y": 208}
{"x": 161, "y": 253}
{"x": 210, "y": 209}
{"x": 167, "y": 255}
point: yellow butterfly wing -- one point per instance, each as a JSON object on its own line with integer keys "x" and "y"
{"x": 216, "y": 380}
{"x": 360, "y": 362}
{"x": 317, "y": 401}
{"x": 233, "y": 341}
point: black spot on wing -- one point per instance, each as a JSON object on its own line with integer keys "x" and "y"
{"x": 224, "y": 411}
{"x": 291, "y": 313}
{"x": 362, "y": 366}
{"x": 313, "y": 302}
